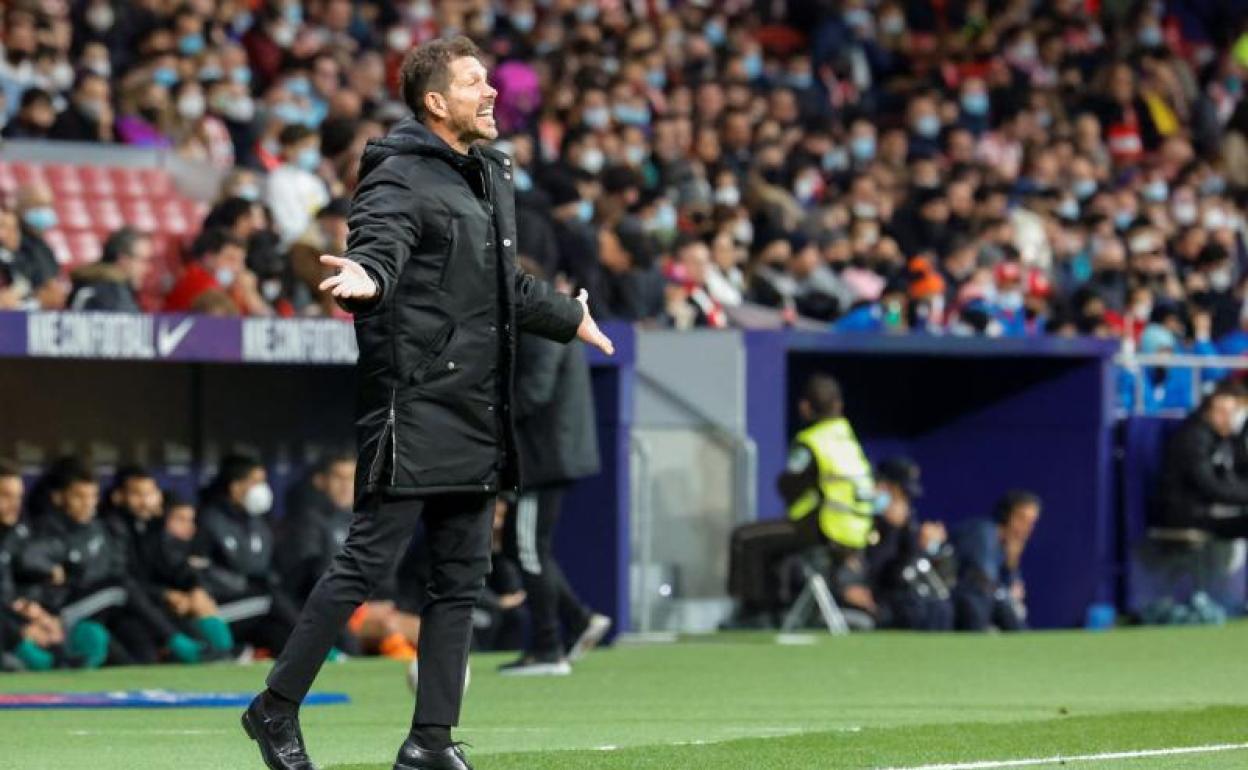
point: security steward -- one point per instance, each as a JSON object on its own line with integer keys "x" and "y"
{"x": 831, "y": 499}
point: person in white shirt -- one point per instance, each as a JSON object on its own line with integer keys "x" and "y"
{"x": 293, "y": 191}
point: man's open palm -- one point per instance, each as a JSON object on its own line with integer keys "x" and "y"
{"x": 588, "y": 331}
{"x": 350, "y": 282}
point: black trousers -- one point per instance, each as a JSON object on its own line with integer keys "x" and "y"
{"x": 458, "y": 530}
{"x": 529, "y": 539}
{"x": 754, "y": 555}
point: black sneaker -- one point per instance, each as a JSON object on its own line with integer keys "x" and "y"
{"x": 531, "y": 665}
{"x": 277, "y": 732}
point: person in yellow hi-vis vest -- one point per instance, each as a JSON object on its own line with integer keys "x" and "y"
{"x": 831, "y": 497}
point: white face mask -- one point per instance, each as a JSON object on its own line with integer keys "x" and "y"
{"x": 258, "y": 499}
{"x": 191, "y": 106}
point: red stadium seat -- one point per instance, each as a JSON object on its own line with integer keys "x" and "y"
{"x": 64, "y": 179}
{"x": 85, "y": 247}
{"x": 129, "y": 183}
{"x": 105, "y": 213}
{"x": 72, "y": 213}
{"x": 60, "y": 246}
{"x": 97, "y": 182}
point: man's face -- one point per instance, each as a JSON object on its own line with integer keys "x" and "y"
{"x": 897, "y": 513}
{"x": 238, "y": 490}
{"x": 11, "y": 489}
{"x": 340, "y": 485}
{"x": 231, "y": 257}
{"x": 39, "y": 113}
{"x": 139, "y": 263}
{"x": 1222, "y": 414}
{"x": 1022, "y": 522}
{"x": 180, "y": 522}
{"x": 468, "y": 103}
{"x": 141, "y": 497}
{"x": 80, "y": 500}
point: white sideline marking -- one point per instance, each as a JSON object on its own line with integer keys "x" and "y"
{"x": 1061, "y": 760}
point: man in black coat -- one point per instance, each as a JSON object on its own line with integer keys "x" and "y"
{"x": 558, "y": 445}
{"x": 112, "y": 284}
{"x": 1201, "y": 487}
{"x": 89, "y": 116}
{"x": 431, "y": 274}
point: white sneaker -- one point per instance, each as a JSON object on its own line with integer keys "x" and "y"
{"x": 533, "y": 667}
{"x": 593, "y": 634}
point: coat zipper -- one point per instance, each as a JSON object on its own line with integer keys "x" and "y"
{"x": 387, "y": 433}
{"x": 394, "y": 441}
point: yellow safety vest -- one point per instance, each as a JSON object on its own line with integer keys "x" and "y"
{"x": 845, "y": 497}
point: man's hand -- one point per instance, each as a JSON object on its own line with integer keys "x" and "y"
{"x": 351, "y": 281}
{"x": 57, "y": 575}
{"x": 589, "y": 331}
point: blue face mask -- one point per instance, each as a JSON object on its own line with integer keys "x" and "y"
{"x": 224, "y": 276}
{"x": 927, "y": 126}
{"x": 1213, "y": 185}
{"x": 715, "y": 34}
{"x": 587, "y": 12}
{"x": 165, "y": 76}
{"x": 665, "y": 219}
{"x": 523, "y": 22}
{"x": 1068, "y": 209}
{"x": 1156, "y": 191}
{"x": 1083, "y": 188}
{"x": 1150, "y": 37}
{"x": 191, "y": 45}
{"x": 524, "y": 182}
{"x": 1123, "y": 220}
{"x": 308, "y": 159}
{"x": 241, "y": 75}
{"x": 294, "y": 13}
{"x": 753, "y": 64}
{"x": 801, "y": 80}
{"x": 862, "y": 148}
{"x": 631, "y": 115}
{"x": 248, "y": 193}
{"x": 975, "y": 103}
{"x": 597, "y": 117}
{"x": 299, "y": 86}
{"x": 834, "y": 160}
{"x": 585, "y": 211}
{"x": 41, "y": 219}
{"x": 657, "y": 79}
{"x": 288, "y": 112}
{"x": 211, "y": 74}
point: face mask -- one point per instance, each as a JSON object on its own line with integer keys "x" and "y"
{"x": 753, "y": 66}
{"x": 1025, "y": 52}
{"x": 62, "y": 76}
{"x": 597, "y": 118}
{"x": 804, "y": 189}
{"x": 585, "y": 211}
{"x": 191, "y": 106}
{"x": 308, "y": 159}
{"x": 283, "y": 35}
{"x": 801, "y": 80}
{"x": 103, "y": 67}
{"x": 248, "y": 193}
{"x": 927, "y": 126}
{"x": 242, "y": 22}
{"x": 1010, "y": 301}
{"x": 1156, "y": 191}
{"x": 631, "y": 115}
{"x": 882, "y": 501}
{"x": 101, "y": 17}
{"x": 862, "y": 148}
{"x": 224, "y": 276}
{"x": 239, "y": 110}
{"x": 40, "y": 219}
{"x": 1221, "y": 279}
{"x": 524, "y": 182}
{"x": 258, "y": 499}
{"x": 1184, "y": 212}
{"x": 592, "y": 160}
{"x": 1215, "y": 219}
{"x": 715, "y": 33}
{"x": 211, "y": 74}
{"x": 727, "y": 196}
{"x": 1068, "y": 209}
{"x": 657, "y": 79}
{"x": 523, "y": 22}
{"x": 665, "y": 219}
{"x": 288, "y": 112}
{"x": 271, "y": 289}
{"x": 834, "y": 160}
{"x": 635, "y": 154}
{"x": 191, "y": 45}
{"x": 1123, "y": 219}
{"x": 975, "y": 103}
{"x": 91, "y": 108}
{"x": 1143, "y": 311}
{"x": 864, "y": 211}
{"x": 1150, "y": 37}
{"x": 587, "y": 12}
{"x": 1213, "y": 185}
{"x": 293, "y": 13}
{"x": 241, "y": 75}
{"x": 857, "y": 18}
{"x": 165, "y": 76}
{"x": 299, "y": 86}
{"x": 1083, "y": 188}
{"x": 893, "y": 24}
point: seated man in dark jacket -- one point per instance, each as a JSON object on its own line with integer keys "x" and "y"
{"x": 112, "y": 284}
{"x": 84, "y": 577}
{"x": 89, "y": 116}
{"x": 27, "y": 632}
{"x": 990, "y": 589}
{"x": 1201, "y": 485}
{"x": 238, "y": 541}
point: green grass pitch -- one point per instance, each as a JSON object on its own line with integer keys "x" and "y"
{"x": 726, "y": 701}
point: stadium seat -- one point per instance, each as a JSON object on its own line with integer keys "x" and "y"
{"x": 64, "y": 179}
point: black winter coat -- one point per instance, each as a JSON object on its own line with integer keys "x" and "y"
{"x": 555, "y": 412}
{"x": 91, "y": 556}
{"x": 437, "y": 230}
{"x": 1199, "y": 471}
{"x": 240, "y": 549}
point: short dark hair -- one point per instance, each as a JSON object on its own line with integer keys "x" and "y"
{"x": 70, "y": 473}
{"x": 128, "y": 473}
{"x": 823, "y": 393}
{"x": 32, "y": 95}
{"x": 227, "y": 213}
{"x": 428, "y": 68}
{"x": 294, "y": 134}
{"x": 120, "y": 244}
{"x": 212, "y": 240}
{"x": 1011, "y": 501}
{"x": 9, "y": 469}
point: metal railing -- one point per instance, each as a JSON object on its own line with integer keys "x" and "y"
{"x": 1197, "y": 364}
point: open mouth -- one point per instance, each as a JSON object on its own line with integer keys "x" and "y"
{"x": 486, "y": 112}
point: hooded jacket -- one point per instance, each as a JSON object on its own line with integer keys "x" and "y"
{"x": 101, "y": 286}
{"x": 436, "y": 229}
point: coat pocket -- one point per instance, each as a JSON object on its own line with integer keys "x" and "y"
{"x": 435, "y": 354}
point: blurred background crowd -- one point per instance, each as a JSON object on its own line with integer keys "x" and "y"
{"x": 1066, "y": 167}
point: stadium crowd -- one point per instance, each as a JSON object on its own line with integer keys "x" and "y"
{"x": 1023, "y": 168}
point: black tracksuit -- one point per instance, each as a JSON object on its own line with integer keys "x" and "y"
{"x": 436, "y": 230}
{"x": 558, "y": 444}
{"x": 1199, "y": 473}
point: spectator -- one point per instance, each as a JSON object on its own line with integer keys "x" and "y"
{"x": 14, "y": 286}
{"x": 35, "y": 262}
{"x": 990, "y": 592}
{"x": 242, "y": 576}
{"x": 217, "y": 269}
{"x": 113, "y": 283}
{"x": 34, "y": 118}
{"x": 147, "y": 115}
{"x": 1201, "y": 485}
{"x": 318, "y": 514}
{"x": 328, "y": 235}
{"x": 89, "y": 115}
{"x": 294, "y": 192}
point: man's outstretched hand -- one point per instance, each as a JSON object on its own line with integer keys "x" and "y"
{"x": 350, "y": 282}
{"x": 589, "y": 331}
